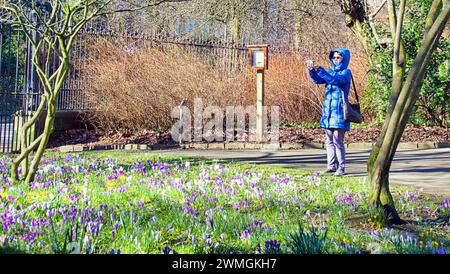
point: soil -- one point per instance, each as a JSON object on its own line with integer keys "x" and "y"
{"x": 288, "y": 134}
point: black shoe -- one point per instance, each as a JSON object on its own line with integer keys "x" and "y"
{"x": 328, "y": 171}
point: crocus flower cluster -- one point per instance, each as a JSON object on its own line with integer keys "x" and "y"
{"x": 445, "y": 204}
{"x": 347, "y": 199}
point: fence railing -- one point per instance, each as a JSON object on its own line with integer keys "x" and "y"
{"x": 19, "y": 88}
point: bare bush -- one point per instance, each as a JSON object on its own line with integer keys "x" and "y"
{"x": 136, "y": 90}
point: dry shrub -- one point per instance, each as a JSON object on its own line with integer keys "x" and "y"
{"x": 289, "y": 86}
{"x": 137, "y": 90}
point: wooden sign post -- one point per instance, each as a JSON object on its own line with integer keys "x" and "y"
{"x": 258, "y": 60}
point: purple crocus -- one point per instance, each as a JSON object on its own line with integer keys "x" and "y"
{"x": 166, "y": 250}
{"x": 441, "y": 251}
{"x": 347, "y": 199}
{"x": 445, "y": 204}
{"x": 272, "y": 244}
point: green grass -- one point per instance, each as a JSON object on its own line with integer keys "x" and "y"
{"x": 148, "y": 203}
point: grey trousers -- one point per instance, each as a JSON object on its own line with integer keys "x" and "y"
{"x": 335, "y": 149}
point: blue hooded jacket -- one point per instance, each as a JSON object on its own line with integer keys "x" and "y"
{"x": 336, "y": 78}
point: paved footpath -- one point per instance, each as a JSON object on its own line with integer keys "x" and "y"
{"x": 427, "y": 169}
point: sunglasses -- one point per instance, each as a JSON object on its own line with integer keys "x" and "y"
{"x": 337, "y": 57}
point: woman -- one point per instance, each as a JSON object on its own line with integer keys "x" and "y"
{"x": 337, "y": 80}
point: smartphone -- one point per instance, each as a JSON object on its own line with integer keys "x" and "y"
{"x": 311, "y": 63}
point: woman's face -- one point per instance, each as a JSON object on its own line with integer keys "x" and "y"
{"x": 337, "y": 58}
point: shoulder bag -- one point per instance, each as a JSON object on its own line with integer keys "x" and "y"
{"x": 352, "y": 112}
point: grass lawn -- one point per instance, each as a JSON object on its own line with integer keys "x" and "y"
{"x": 113, "y": 202}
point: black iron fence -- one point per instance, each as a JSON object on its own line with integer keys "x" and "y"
{"x": 19, "y": 90}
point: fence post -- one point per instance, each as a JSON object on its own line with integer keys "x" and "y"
{"x": 18, "y": 122}
{"x": 258, "y": 61}
{"x": 260, "y": 105}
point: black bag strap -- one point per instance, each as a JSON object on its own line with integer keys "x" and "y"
{"x": 356, "y": 93}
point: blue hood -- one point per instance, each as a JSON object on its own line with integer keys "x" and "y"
{"x": 345, "y": 53}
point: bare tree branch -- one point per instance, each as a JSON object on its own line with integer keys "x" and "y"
{"x": 398, "y": 34}
{"x": 379, "y": 9}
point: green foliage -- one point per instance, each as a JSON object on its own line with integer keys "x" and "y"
{"x": 378, "y": 94}
{"x": 434, "y": 100}
{"x": 308, "y": 241}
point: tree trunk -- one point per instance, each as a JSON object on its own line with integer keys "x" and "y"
{"x": 357, "y": 21}
{"x": 50, "y": 96}
{"x": 383, "y": 153}
{"x": 26, "y": 151}
{"x": 363, "y": 37}
{"x": 48, "y": 130}
{"x": 379, "y": 194}
{"x": 235, "y": 30}
{"x": 51, "y": 111}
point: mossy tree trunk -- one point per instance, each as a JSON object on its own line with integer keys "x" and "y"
{"x": 50, "y": 43}
{"x": 356, "y": 18}
{"x": 405, "y": 91}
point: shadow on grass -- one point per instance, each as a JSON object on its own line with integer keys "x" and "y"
{"x": 439, "y": 225}
{"x": 10, "y": 250}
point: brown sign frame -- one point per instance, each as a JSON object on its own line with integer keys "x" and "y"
{"x": 252, "y": 48}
